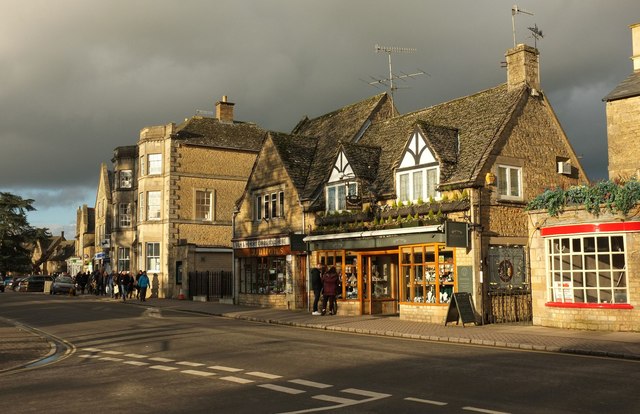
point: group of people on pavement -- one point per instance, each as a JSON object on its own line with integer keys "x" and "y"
{"x": 117, "y": 285}
{"x": 324, "y": 283}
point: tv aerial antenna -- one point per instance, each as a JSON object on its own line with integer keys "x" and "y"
{"x": 536, "y": 34}
{"x": 515, "y": 10}
{"x": 392, "y": 76}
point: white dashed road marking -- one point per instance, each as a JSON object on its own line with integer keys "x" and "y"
{"x": 89, "y": 356}
{"x": 334, "y": 399}
{"x": 111, "y": 359}
{"x": 310, "y": 383}
{"x": 237, "y": 380}
{"x": 92, "y": 349}
{"x": 264, "y": 375}
{"x": 159, "y": 359}
{"x": 420, "y": 400}
{"x": 163, "y": 367}
{"x": 136, "y": 363}
{"x": 190, "y": 364}
{"x": 482, "y": 410}
{"x": 227, "y": 369}
{"x": 370, "y": 394}
{"x": 112, "y": 352}
{"x": 280, "y": 388}
{"x": 136, "y": 356}
{"x": 198, "y": 373}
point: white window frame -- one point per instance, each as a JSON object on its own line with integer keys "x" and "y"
{"x": 505, "y": 182}
{"x": 587, "y": 268}
{"x": 204, "y": 205}
{"x": 152, "y": 255}
{"x": 336, "y": 195}
{"x": 125, "y": 179}
{"x": 124, "y": 259}
{"x": 154, "y": 205}
{"x": 269, "y": 205}
{"x": 258, "y": 207}
{"x": 407, "y": 189}
{"x": 124, "y": 215}
{"x": 141, "y": 206}
{"x": 155, "y": 164}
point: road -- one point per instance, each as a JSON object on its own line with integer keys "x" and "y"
{"x": 132, "y": 358}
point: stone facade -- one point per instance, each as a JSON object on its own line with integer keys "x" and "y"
{"x": 623, "y": 130}
{"x": 593, "y": 316}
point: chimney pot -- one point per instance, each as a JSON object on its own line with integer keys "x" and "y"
{"x": 522, "y": 67}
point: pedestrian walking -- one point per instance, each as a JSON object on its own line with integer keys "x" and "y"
{"x": 329, "y": 289}
{"x": 316, "y": 285}
{"x": 125, "y": 279}
{"x": 143, "y": 284}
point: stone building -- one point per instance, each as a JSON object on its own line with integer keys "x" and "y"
{"x": 273, "y": 214}
{"x": 85, "y": 239}
{"x": 584, "y": 266}
{"x": 102, "y": 259}
{"x": 123, "y": 245}
{"x": 378, "y": 202}
{"x": 50, "y": 255}
{"x": 189, "y": 178}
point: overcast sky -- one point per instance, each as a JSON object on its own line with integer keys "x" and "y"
{"x": 79, "y": 78}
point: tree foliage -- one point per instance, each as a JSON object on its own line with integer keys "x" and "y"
{"x": 17, "y": 237}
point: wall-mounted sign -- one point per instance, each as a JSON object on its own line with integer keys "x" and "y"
{"x": 456, "y": 234}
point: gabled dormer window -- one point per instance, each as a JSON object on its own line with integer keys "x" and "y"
{"x": 418, "y": 175}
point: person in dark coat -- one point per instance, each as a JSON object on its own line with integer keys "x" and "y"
{"x": 316, "y": 285}
{"x": 329, "y": 290}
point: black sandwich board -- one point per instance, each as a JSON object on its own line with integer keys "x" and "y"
{"x": 460, "y": 307}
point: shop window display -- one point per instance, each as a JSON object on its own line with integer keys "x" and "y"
{"x": 428, "y": 274}
{"x": 264, "y": 275}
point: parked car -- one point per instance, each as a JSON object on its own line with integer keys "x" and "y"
{"x": 15, "y": 284}
{"x": 34, "y": 283}
{"x": 2, "y": 285}
{"x": 8, "y": 280}
{"x": 63, "y": 284}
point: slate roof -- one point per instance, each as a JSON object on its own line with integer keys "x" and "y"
{"x": 343, "y": 125}
{"x": 296, "y": 153}
{"x": 478, "y": 119}
{"x": 206, "y": 131}
{"x": 626, "y": 89}
{"x": 363, "y": 159}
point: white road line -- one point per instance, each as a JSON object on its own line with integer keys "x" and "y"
{"x": 111, "y": 359}
{"x": 482, "y": 410}
{"x": 280, "y": 388}
{"x": 136, "y": 363}
{"x": 331, "y": 398}
{"x": 264, "y": 375}
{"x": 366, "y": 393}
{"x": 190, "y": 364}
{"x": 92, "y": 349}
{"x": 135, "y": 356}
{"x": 160, "y": 359}
{"x": 198, "y": 373}
{"x": 420, "y": 400}
{"x": 89, "y": 356}
{"x": 228, "y": 369}
{"x": 163, "y": 367}
{"x": 237, "y": 380}
{"x": 113, "y": 352}
{"x": 310, "y": 383}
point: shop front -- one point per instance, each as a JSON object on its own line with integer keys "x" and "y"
{"x": 271, "y": 272}
{"x": 409, "y": 272}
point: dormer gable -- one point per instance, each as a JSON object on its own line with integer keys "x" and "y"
{"x": 417, "y": 152}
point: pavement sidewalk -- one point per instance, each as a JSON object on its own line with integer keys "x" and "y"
{"x": 624, "y": 345}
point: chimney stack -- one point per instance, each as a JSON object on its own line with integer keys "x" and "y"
{"x": 635, "y": 39}
{"x": 224, "y": 110}
{"x": 523, "y": 67}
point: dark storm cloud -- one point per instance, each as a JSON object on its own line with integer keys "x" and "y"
{"x": 80, "y": 78}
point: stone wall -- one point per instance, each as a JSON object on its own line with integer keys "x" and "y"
{"x": 623, "y": 130}
{"x": 592, "y": 318}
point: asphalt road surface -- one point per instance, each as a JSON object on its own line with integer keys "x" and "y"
{"x": 120, "y": 358}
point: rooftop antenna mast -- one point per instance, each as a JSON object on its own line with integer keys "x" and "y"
{"x": 388, "y": 50}
{"x": 536, "y": 33}
{"x": 515, "y": 10}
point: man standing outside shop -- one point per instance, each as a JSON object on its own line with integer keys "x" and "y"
{"x": 316, "y": 285}
{"x": 329, "y": 290}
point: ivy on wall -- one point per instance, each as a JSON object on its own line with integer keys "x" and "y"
{"x": 618, "y": 196}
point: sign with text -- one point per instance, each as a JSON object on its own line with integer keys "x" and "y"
{"x": 460, "y": 307}
{"x": 456, "y": 234}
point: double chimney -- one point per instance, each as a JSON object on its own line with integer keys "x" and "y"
{"x": 523, "y": 67}
{"x": 224, "y": 110}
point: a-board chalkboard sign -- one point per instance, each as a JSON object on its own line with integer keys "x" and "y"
{"x": 460, "y": 307}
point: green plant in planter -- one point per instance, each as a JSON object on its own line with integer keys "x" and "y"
{"x": 420, "y": 201}
{"x": 465, "y": 194}
{"x": 394, "y": 204}
{"x": 431, "y": 200}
